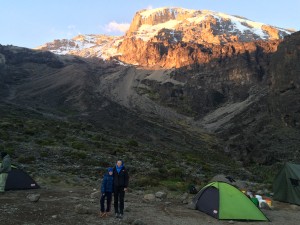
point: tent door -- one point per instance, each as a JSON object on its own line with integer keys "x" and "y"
{"x": 208, "y": 202}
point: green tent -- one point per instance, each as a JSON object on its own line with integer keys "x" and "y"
{"x": 225, "y": 202}
{"x": 286, "y": 185}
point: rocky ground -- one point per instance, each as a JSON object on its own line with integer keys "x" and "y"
{"x": 78, "y": 205}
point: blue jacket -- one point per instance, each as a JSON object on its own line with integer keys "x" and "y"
{"x": 107, "y": 183}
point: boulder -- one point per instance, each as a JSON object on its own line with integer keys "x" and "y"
{"x": 33, "y": 197}
{"x": 161, "y": 195}
{"x": 184, "y": 198}
{"x": 138, "y": 222}
{"x": 149, "y": 197}
{"x": 80, "y": 209}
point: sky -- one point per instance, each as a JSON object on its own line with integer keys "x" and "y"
{"x": 30, "y": 23}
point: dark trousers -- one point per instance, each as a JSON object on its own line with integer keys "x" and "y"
{"x": 108, "y": 196}
{"x": 119, "y": 195}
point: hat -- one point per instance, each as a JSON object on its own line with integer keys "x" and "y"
{"x": 110, "y": 169}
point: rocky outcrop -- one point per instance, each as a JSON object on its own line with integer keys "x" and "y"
{"x": 285, "y": 83}
{"x": 210, "y": 80}
{"x": 168, "y": 55}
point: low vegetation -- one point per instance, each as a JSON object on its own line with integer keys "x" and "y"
{"x": 59, "y": 150}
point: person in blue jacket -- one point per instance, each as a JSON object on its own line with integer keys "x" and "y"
{"x": 107, "y": 188}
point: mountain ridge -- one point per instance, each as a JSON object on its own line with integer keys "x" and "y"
{"x": 167, "y": 27}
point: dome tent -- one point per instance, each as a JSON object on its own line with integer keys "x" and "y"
{"x": 225, "y": 202}
{"x": 18, "y": 179}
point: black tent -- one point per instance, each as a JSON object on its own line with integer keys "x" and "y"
{"x": 17, "y": 179}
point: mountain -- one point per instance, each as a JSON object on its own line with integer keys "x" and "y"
{"x": 157, "y": 36}
{"x": 224, "y": 100}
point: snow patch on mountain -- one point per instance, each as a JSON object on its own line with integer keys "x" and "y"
{"x": 160, "y": 11}
{"x": 146, "y": 32}
{"x": 101, "y": 46}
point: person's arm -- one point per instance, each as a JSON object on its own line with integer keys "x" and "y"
{"x": 103, "y": 185}
{"x": 126, "y": 177}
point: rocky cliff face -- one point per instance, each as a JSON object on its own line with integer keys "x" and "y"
{"x": 182, "y": 54}
{"x": 268, "y": 131}
{"x": 285, "y": 86}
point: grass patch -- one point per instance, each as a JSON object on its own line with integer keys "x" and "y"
{"x": 175, "y": 185}
{"x": 26, "y": 159}
{"x": 75, "y": 154}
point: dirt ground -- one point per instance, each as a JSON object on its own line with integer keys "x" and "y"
{"x": 57, "y": 206}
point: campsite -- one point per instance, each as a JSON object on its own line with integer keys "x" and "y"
{"x": 60, "y": 205}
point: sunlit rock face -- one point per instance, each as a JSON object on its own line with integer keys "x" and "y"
{"x": 172, "y": 37}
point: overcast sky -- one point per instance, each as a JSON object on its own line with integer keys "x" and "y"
{"x": 30, "y": 23}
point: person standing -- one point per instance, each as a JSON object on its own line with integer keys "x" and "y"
{"x": 107, "y": 188}
{"x": 121, "y": 179}
{"x": 4, "y": 169}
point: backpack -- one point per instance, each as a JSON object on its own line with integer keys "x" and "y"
{"x": 193, "y": 190}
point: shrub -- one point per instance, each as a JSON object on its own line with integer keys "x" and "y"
{"x": 76, "y": 154}
{"x": 45, "y": 142}
{"x": 78, "y": 145}
{"x": 146, "y": 182}
{"x": 44, "y": 154}
{"x": 174, "y": 185}
{"x": 132, "y": 143}
{"x": 4, "y": 135}
{"x": 175, "y": 172}
{"x": 26, "y": 160}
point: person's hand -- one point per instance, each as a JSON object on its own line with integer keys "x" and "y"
{"x": 102, "y": 194}
{"x": 125, "y": 189}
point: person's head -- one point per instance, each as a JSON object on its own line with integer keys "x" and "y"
{"x": 119, "y": 163}
{"x": 3, "y": 154}
{"x": 110, "y": 170}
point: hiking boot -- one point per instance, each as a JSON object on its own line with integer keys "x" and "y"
{"x": 116, "y": 215}
{"x": 102, "y": 214}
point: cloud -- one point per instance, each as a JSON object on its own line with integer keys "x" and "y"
{"x": 114, "y": 26}
{"x": 149, "y": 7}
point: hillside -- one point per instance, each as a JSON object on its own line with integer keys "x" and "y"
{"x": 58, "y": 121}
{"x": 174, "y": 107}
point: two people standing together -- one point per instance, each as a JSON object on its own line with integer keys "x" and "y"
{"x": 114, "y": 181}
